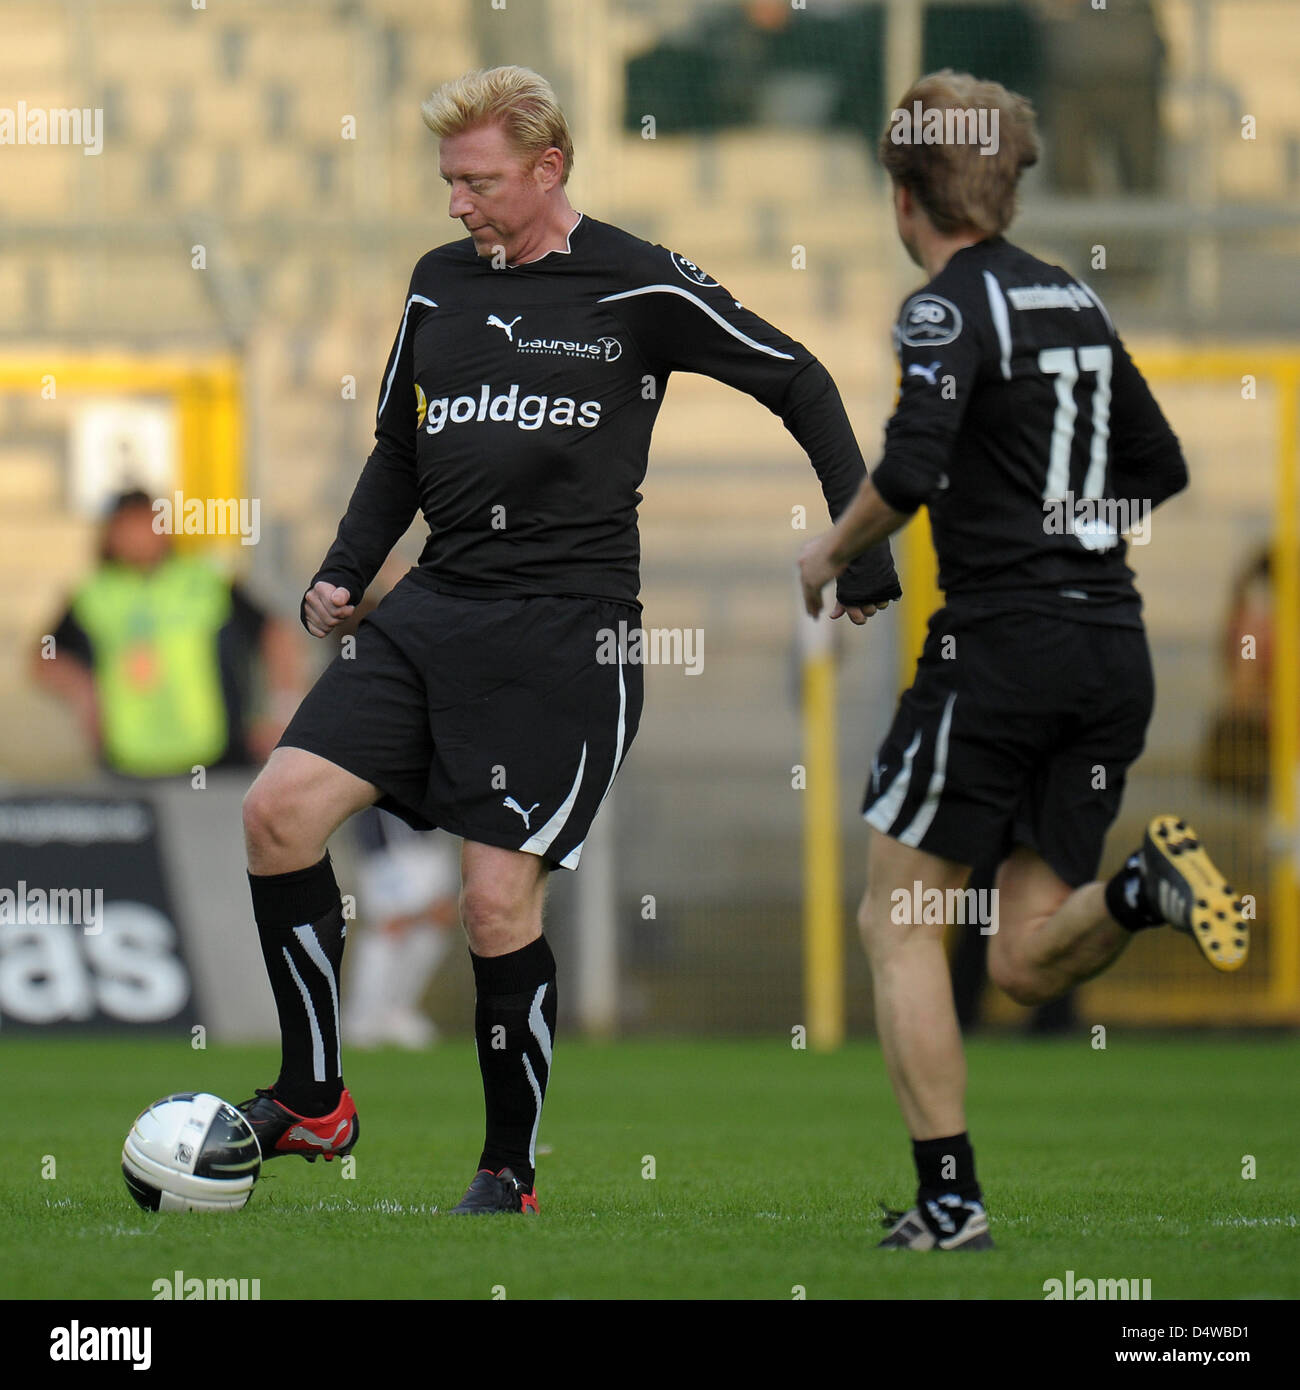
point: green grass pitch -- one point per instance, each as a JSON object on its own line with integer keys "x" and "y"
{"x": 767, "y": 1163}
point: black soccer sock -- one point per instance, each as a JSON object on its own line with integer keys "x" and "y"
{"x": 300, "y": 924}
{"x": 514, "y": 1025}
{"x": 946, "y": 1165}
{"x": 1125, "y": 900}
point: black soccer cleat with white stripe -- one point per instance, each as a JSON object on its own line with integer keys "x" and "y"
{"x": 493, "y": 1192}
{"x": 949, "y": 1222}
{"x": 1181, "y": 884}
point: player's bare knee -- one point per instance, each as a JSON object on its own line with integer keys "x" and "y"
{"x": 493, "y": 919}
{"x": 1032, "y": 992}
{"x": 868, "y": 917}
{"x": 881, "y": 934}
{"x": 274, "y": 816}
{"x": 259, "y": 815}
{"x": 1004, "y": 970}
{"x": 1019, "y": 980}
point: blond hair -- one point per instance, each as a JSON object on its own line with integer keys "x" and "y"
{"x": 522, "y": 101}
{"x": 957, "y": 184}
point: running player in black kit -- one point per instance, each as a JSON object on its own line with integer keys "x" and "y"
{"x": 1024, "y": 427}
{"x": 515, "y": 413}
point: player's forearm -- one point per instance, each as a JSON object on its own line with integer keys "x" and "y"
{"x": 867, "y": 521}
{"x": 1146, "y": 458}
{"x": 379, "y": 511}
{"x": 815, "y": 415}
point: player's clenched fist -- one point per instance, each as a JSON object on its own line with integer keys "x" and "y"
{"x": 325, "y": 607}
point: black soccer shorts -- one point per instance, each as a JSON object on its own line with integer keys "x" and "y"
{"x": 500, "y": 720}
{"x": 1019, "y": 729}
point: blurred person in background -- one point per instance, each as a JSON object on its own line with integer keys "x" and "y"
{"x": 1236, "y": 750}
{"x": 1101, "y": 110}
{"x": 761, "y": 63}
{"x": 157, "y": 653}
{"x": 1103, "y": 70}
{"x": 407, "y": 885}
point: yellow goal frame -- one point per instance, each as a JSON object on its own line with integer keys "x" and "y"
{"x": 206, "y": 393}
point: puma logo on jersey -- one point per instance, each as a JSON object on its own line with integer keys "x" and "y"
{"x": 930, "y": 373}
{"x": 515, "y": 806}
{"x": 507, "y": 328}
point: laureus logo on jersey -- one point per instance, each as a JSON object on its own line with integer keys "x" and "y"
{"x": 600, "y": 350}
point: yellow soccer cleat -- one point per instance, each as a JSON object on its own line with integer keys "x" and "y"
{"x": 1181, "y": 883}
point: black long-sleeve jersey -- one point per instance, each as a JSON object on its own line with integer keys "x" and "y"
{"x": 1024, "y": 426}
{"x": 516, "y": 408}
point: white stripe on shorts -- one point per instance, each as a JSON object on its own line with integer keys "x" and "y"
{"x": 914, "y": 831}
{"x": 885, "y": 811}
{"x": 570, "y": 860}
{"x": 542, "y": 840}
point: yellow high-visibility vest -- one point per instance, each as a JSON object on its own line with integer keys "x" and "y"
{"x": 157, "y": 672}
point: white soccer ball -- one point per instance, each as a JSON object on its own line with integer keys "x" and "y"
{"x": 191, "y": 1152}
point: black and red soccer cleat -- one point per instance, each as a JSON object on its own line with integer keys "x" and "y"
{"x": 491, "y": 1192}
{"x": 283, "y": 1131}
{"x": 1181, "y": 885}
